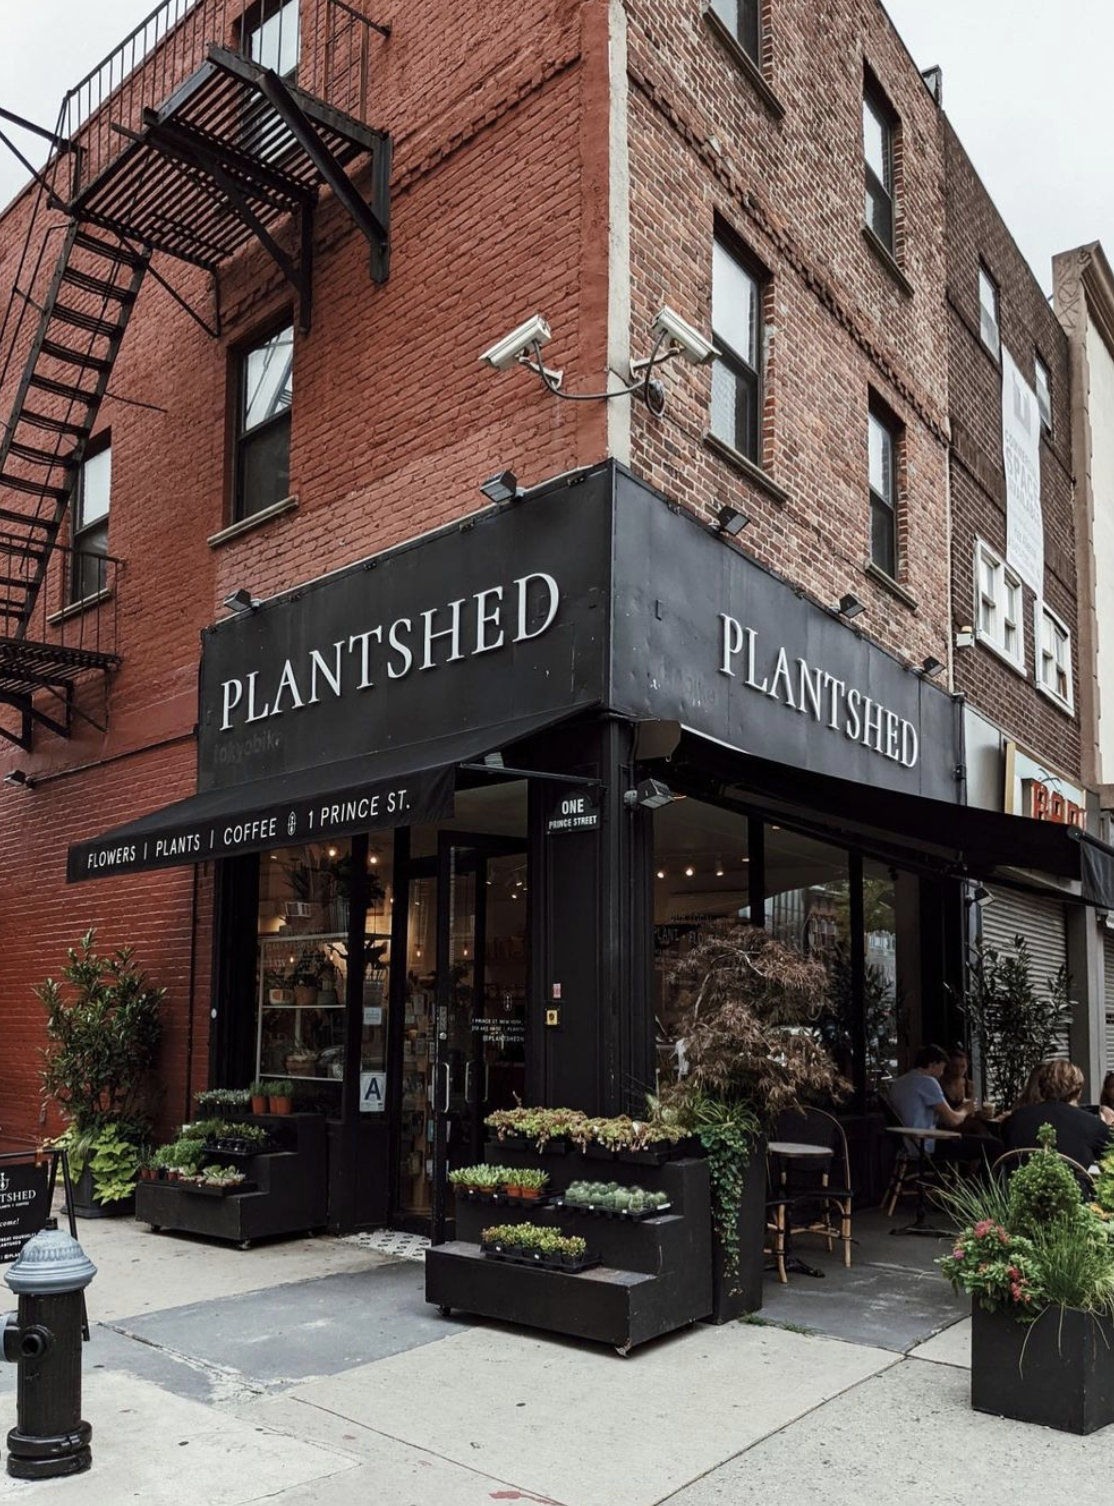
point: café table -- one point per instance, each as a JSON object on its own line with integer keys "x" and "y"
{"x": 919, "y": 1137}
{"x": 794, "y": 1150}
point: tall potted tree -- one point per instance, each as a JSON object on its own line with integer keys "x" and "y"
{"x": 746, "y": 1050}
{"x": 103, "y": 1029}
{"x": 1015, "y": 1023}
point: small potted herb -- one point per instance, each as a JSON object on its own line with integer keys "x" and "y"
{"x": 259, "y": 1092}
{"x": 280, "y": 1094}
{"x": 532, "y": 1184}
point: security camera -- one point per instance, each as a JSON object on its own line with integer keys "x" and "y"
{"x": 693, "y": 346}
{"x": 504, "y": 353}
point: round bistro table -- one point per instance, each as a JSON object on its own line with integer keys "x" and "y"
{"x": 919, "y": 1137}
{"x": 794, "y": 1150}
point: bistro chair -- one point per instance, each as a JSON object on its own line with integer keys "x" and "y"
{"x": 1010, "y": 1160}
{"x": 906, "y": 1163}
{"x": 807, "y": 1195}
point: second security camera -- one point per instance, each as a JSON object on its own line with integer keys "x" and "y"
{"x": 521, "y": 341}
{"x": 690, "y": 342}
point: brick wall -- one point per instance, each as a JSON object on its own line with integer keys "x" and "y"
{"x": 499, "y": 121}
{"x": 782, "y": 167}
{"x": 976, "y": 232}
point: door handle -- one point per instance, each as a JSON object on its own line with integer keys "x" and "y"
{"x": 448, "y": 1086}
{"x": 468, "y": 1082}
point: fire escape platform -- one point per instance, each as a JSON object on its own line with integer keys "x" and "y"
{"x": 232, "y": 152}
{"x": 26, "y": 667}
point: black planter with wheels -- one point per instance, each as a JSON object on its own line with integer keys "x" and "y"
{"x": 86, "y": 1204}
{"x": 733, "y": 1296}
{"x": 1057, "y": 1371}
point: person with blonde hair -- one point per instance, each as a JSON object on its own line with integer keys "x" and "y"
{"x": 1058, "y": 1086}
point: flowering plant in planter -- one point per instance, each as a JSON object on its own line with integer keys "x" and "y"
{"x": 997, "y": 1268}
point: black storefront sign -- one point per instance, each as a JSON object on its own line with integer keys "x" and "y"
{"x": 345, "y": 705}
{"x": 476, "y": 626}
{"x": 575, "y": 810}
{"x": 253, "y": 827}
{"x": 24, "y": 1205}
{"x": 705, "y": 637}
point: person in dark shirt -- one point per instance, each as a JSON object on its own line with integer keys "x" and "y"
{"x": 1082, "y": 1136}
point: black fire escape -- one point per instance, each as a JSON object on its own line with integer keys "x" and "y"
{"x": 208, "y": 128}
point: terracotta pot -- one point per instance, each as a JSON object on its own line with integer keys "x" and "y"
{"x": 305, "y": 993}
{"x": 280, "y": 996}
{"x": 530, "y": 1193}
{"x": 512, "y": 1191}
{"x": 259, "y": 1103}
{"x": 281, "y": 1105}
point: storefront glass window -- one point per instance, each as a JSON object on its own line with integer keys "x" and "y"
{"x": 882, "y": 993}
{"x": 701, "y": 876}
{"x": 303, "y": 964}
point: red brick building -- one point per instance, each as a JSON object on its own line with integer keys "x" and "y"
{"x": 591, "y": 163}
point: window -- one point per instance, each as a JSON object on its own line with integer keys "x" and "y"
{"x": 737, "y": 332}
{"x": 263, "y": 424}
{"x": 882, "y": 443}
{"x": 742, "y": 20}
{"x": 998, "y": 606}
{"x": 988, "y": 312}
{"x": 878, "y": 151}
{"x": 1043, "y": 384}
{"x": 1053, "y": 657}
{"x": 92, "y": 495}
{"x": 271, "y": 36}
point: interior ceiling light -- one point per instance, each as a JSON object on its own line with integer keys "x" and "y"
{"x": 672, "y": 337}
{"x": 850, "y": 606}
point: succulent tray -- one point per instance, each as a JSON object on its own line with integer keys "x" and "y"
{"x": 213, "y": 1190}
{"x": 545, "y": 1262}
{"x": 479, "y": 1195}
{"x": 626, "y": 1213}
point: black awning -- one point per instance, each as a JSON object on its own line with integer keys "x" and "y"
{"x": 399, "y": 787}
{"x": 965, "y": 839}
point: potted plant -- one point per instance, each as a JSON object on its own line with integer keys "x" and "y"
{"x": 1038, "y": 1264}
{"x": 259, "y": 1092}
{"x": 280, "y": 989}
{"x": 531, "y": 1184}
{"x": 745, "y": 1055}
{"x": 1015, "y": 1024}
{"x": 103, "y": 1028}
{"x": 281, "y": 1096}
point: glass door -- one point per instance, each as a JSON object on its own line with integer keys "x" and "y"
{"x": 478, "y": 1039}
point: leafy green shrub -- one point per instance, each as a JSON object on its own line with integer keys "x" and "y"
{"x": 1043, "y": 1190}
{"x": 187, "y": 1155}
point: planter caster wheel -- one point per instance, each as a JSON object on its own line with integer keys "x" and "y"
{"x": 245, "y": 1244}
{"x": 155, "y": 1228}
{"x": 446, "y": 1312}
{"x": 623, "y": 1351}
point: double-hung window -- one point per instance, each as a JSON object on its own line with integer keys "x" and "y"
{"x": 878, "y": 153}
{"x": 736, "y": 417}
{"x": 988, "y": 313}
{"x": 883, "y": 439}
{"x": 742, "y": 18}
{"x": 266, "y": 387}
{"x": 998, "y": 606}
{"x": 1043, "y": 385}
{"x": 270, "y": 37}
{"x": 1053, "y": 657}
{"x": 91, "y": 499}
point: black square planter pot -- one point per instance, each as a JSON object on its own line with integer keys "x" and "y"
{"x": 1058, "y": 1371}
{"x": 86, "y": 1204}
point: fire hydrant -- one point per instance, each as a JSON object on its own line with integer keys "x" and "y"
{"x": 44, "y": 1340}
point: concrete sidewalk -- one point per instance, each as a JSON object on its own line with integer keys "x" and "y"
{"x": 314, "y": 1372}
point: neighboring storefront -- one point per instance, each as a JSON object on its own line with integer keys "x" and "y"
{"x": 470, "y": 799}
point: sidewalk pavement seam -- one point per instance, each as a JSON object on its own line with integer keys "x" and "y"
{"x": 523, "y": 1490}
{"x": 231, "y": 1386}
{"x": 785, "y": 1426}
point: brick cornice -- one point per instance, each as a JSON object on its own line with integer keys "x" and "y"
{"x": 792, "y": 254}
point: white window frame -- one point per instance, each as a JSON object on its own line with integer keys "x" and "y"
{"x": 1003, "y": 577}
{"x": 1045, "y": 408}
{"x": 1041, "y": 613}
{"x": 995, "y": 312}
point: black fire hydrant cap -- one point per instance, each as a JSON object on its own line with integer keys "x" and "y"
{"x": 51, "y": 1262}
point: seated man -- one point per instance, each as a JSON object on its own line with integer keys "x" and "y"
{"x": 918, "y": 1100}
{"x": 1082, "y": 1136}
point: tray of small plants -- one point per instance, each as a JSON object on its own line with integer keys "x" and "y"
{"x": 501, "y": 1184}
{"x": 612, "y": 1201}
{"x": 217, "y": 1181}
{"x": 233, "y": 1138}
{"x": 529, "y": 1244}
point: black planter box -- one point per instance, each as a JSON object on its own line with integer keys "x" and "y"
{"x": 214, "y": 1191}
{"x": 732, "y": 1297}
{"x": 1058, "y": 1371}
{"x": 87, "y": 1205}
